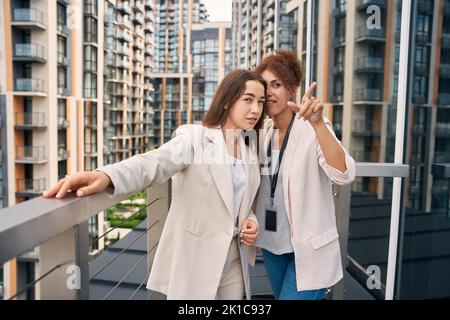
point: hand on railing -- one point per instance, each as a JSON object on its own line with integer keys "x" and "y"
{"x": 83, "y": 183}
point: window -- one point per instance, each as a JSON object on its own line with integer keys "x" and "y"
{"x": 90, "y": 58}
{"x": 62, "y": 79}
{"x": 62, "y": 46}
{"x": 90, "y": 29}
{"x": 90, "y": 85}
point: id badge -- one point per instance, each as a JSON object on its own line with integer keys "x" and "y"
{"x": 271, "y": 217}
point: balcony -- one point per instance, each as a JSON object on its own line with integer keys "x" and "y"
{"x": 90, "y": 8}
{"x": 420, "y": 98}
{"x": 28, "y": 86}
{"x": 425, "y": 7}
{"x": 28, "y": 18}
{"x": 63, "y": 153}
{"x": 30, "y": 187}
{"x": 138, "y": 19}
{"x": 62, "y": 59}
{"x": 139, "y": 6}
{"x": 364, "y": 4}
{"x": 421, "y": 69}
{"x": 31, "y": 154}
{"x": 340, "y": 11}
{"x": 365, "y": 156}
{"x": 90, "y": 149}
{"x": 90, "y": 122}
{"x": 62, "y": 122}
{"x": 30, "y": 121}
{"x": 367, "y": 95}
{"x": 62, "y": 29}
{"x": 444, "y": 98}
{"x": 442, "y": 130}
{"x": 446, "y": 40}
{"x": 29, "y": 52}
{"x": 63, "y": 91}
{"x": 444, "y": 70}
{"x": 369, "y": 65}
{"x": 365, "y": 128}
{"x": 366, "y": 34}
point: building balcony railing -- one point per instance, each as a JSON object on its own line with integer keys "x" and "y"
{"x": 29, "y": 85}
{"x": 443, "y": 129}
{"x": 30, "y": 120}
{"x": 423, "y": 37}
{"x": 369, "y": 65}
{"x": 63, "y": 153}
{"x": 444, "y": 70}
{"x": 424, "y": 6}
{"x": 30, "y": 187}
{"x": 365, "y": 156}
{"x": 28, "y": 18}
{"x": 62, "y": 122}
{"x": 62, "y": 29}
{"x": 90, "y": 8}
{"x": 442, "y": 157}
{"x": 420, "y": 98}
{"x": 421, "y": 68}
{"x": 366, "y": 34}
{"x": 340, "y": 10}
{"x": 30, "y": 52}
{"x": 31, "y": 154}
{"x": 90, "y": 148}
{"x": 62, "y": 59}
{"x": 364, "y": 94}
{"x": 446, "y": 40}
{"x": 366, "y": 128}
{"x": 444, "y": 98}
{"x": 90, "y": 121}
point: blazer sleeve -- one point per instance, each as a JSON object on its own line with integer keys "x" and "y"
{"x": 336, "y": 176}
{"x": 155, "y": 166}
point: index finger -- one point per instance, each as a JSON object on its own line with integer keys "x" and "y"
{"x": 311, "y": 89}
{"x": 64, "y": 188}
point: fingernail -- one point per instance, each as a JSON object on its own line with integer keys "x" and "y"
{"x": 44, "y": 193}
{"x": 58, "y": 196}
{"x": 80, "y": 193}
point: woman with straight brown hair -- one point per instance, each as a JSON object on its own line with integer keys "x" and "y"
{"x": 209, "y": 232}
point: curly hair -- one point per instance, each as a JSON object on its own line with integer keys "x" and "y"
{"x": 285, "y": 65}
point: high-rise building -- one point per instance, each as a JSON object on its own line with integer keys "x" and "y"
{"x": 353, "y": 48}
{"x": 172, "y": 78}
{"x": 75, "y": 93}
{"x": 211, "y": 61}
{"x": 259, "y": 28}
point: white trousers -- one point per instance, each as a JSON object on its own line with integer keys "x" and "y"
{"x": 231, "y": 286}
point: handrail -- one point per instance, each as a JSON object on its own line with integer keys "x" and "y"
{"x": 31, "y": 223}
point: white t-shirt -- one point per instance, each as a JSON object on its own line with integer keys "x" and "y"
{"x": 239, "y": 181}
{"x": 277, "y": 242}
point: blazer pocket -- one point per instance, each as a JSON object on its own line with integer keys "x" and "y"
{"x": 324, "y": 238}
{"x": 185, "y": 229}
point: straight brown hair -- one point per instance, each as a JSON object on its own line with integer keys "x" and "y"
{"x": 230, "y": 89}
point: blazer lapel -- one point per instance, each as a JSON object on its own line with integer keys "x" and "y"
{"x": 215, "y": 153}
{"x": 290, "y": 148}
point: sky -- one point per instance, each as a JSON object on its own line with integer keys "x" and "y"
{"x": 219, "y": 10}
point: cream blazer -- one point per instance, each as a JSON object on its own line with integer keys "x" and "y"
{"x": 199, "y": 227}
{"x": 307, "y": 188}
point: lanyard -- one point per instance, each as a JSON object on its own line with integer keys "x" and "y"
{"x": 274, "y": 178}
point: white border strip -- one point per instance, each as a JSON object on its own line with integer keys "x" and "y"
{"x": 398, "y": 157}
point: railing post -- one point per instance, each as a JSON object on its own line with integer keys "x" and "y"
{"x": 342, "y": 207}
{"x": 82, "y": 258}
{"x": 156, "y": 217}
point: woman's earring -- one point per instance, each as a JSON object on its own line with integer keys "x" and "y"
{"x": 226, "y": 107}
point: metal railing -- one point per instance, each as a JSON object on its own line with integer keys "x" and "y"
{"x": 49, "y": 219}
{"x": 29, "y": 15}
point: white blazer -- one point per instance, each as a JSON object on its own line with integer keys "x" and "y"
{"x": 200, "y": 224}
{"x": 307, "y": 188}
